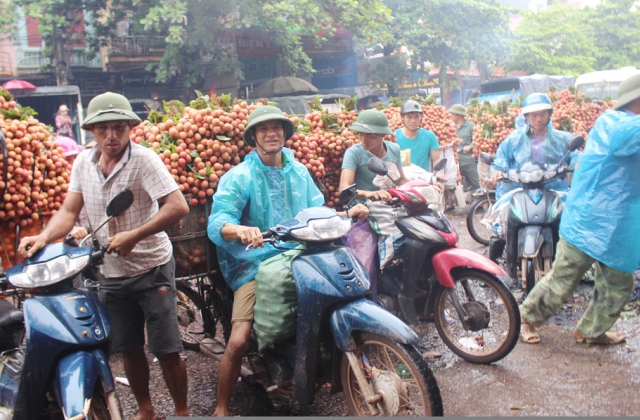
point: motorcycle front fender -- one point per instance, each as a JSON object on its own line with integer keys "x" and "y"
{"x": 365, "y": 316}
{"x": 535, "y": 239}
{"x": 448, "y": 259}
{"x": 76, "y": 377}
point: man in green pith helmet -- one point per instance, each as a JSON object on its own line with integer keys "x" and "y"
{"x": 464, "y": 130}
{"x": 137, "y": 285}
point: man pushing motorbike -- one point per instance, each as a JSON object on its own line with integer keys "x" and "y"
{"x": 267, "y": 188}
{"x": 137, "y": 286}
{"x": 535, "y": 142}
{"x": 599, "y": 224}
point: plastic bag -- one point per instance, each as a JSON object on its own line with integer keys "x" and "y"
{"x": 276, "y": 309}
{"x": 363, "y": 241}
{"x": 451, "y": 170}
{"x": 390, "y": 240}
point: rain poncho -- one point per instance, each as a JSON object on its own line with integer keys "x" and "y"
{"x": 252, "y": 194}
{"x": 518, "y": 149}
{"x": 602, "y": 213}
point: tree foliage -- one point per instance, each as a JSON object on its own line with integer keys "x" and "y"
{"x": 615, "y": 27}
{"x": 445, "y": 33}
{"x": 190, "y": 29}
{"x": 555, "y": 41}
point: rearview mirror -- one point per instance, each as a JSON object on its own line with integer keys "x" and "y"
{"x": 487, "y": 157}
{"x": 442, "y": 163}
{"x": 119, "y": 203}
{"x": 575, "y": 143}
{"x": 348, "y": 194}
{"x": 377, "y": 166}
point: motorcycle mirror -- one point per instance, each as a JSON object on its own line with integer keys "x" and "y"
{"x": 442, "y": 163}
{"x": 576, "y": 143}
{"x": 487, "y": 157}
{"x": 377, "y": 166}
{"x": 348, "y": 194}
{"x": 119, "y": 203}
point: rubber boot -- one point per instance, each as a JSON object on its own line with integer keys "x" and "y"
{"x": 496, "y": 247}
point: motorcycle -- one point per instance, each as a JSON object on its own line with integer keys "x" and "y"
{"x": 481, "y": 206}
{"x": 534, "y": 217}
{"x": 63, "y": 369}
{"x": 341, "y": 337}
{"x": 462, "y": 292}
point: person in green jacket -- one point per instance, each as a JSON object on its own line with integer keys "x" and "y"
{"x": 464, "y": 130}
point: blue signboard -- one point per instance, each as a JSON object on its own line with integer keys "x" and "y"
{"x": 335, "y": 71}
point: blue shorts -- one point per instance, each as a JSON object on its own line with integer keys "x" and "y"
{"x": 148, "y": 298}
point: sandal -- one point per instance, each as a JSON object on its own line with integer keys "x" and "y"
{"x": 528, "y": 334}
{"x": 607, "y": 339}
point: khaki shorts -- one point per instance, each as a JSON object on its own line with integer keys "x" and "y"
{"x": 244, "y": 299}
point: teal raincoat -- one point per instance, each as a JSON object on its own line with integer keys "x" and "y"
{"x": 252, "y": 194}
{"x": 602, "y": 212}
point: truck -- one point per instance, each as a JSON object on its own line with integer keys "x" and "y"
{"x": 603, "y": 84}
{"x": 512, "y": 88}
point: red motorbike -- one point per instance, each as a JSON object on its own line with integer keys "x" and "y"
{"x": 462, "y": 292}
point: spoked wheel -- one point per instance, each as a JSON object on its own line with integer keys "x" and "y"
{"x": 190, "y": 322}
{"x": 490, "y": 330}
{"x": 101, "y": 409}
{"x": 478, "y": 210}
{"x": 398, "y": 377}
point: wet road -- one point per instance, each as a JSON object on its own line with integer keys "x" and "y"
{"x": 557, "y": 377}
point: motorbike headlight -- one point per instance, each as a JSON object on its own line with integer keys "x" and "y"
{"x": 530, "y": 177}
{"x": 549, "y": 174}
{"x": 50, "y": 272}
{"x": 323, "y": 229}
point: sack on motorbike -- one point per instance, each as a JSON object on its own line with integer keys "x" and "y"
{"x": 276, "y": 308}
{"x": 363, "y": 241}
{"x": 391, "y": 241}
{"x": 451, "y": 170}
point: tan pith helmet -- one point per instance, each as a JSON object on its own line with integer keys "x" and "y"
{"x": 628, "y": 91}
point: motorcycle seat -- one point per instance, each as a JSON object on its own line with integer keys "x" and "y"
{"x": 9, "y": 315}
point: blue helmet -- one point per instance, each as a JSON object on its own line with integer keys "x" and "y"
{"x": 536, "y": 102}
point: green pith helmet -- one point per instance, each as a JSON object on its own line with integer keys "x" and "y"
{"x": 628, "y": 91}
{"x": 267, "y": 113}
{"x": 109, "y": 106}
{"x": 371, "y": 121}
{"x": 458, "y": 110}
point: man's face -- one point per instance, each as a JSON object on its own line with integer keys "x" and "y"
{"x": 371, "y": 141}
{"x": 456, "y": 118}
{"x": 412, "y": 120}
{"x": 538, "y": 120}
{"x": 112, "y": 136}
{"x": 269, "y": 135}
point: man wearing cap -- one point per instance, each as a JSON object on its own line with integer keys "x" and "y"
{"x": 423, "y": 143}
{"x": 464, "y": 130}
{"x": 599, "y": 224}
{"x": 137, "y": 285}
{"x": 267, "y": 188}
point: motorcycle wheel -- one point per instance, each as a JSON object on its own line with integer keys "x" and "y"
{"x": 480, "y": 207}
{"x": 99, "y": 409}
{"x": 492, "y": 332}
{"x": 397, "y": 372}
{"x": 533, "y": 269}
{"x": 189, "y": 311}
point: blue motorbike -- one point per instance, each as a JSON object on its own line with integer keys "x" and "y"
{"x": 341, "y": 338}
{"x": 55, "y": 352}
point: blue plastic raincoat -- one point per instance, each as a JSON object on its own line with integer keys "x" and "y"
{"x": 602, "y": 213}
{"x": 252, "y": 194}
{"x": 516, "y": 150}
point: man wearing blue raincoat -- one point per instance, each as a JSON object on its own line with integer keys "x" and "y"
{"x": 601, "y": 224}
{"x": 267, "y": 188}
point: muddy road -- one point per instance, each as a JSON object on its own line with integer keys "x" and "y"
{"x": 556, "y": 377}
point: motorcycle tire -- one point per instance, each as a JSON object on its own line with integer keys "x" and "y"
{"x": 477, "y": 210}
{"x": 99, "y": 409}
{"x": 532, "y": 271}
{"x": 396, "y": 371}
{"x": 190, "y": 322}
{"x": 493, "y": 330}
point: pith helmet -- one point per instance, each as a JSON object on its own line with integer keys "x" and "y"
{"x": 109, "y": 106}
{"x": 458, "y": 110}
{"x": 371, "y": 121}
{"x": 628, "y": 91}
{"x": 267, "y": 113}
{"x": 410, "y": 106}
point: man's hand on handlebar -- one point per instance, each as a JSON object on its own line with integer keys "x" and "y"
{"x": 380, "y": 195}
{"x": 359, "y": 210}
{"x": 30, "y": 245}
{"x": 496, "y": 176}
{"x": 78, "y": 232}
{"x": 250, "y": 235}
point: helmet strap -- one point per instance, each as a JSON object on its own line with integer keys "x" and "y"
{"x": 264, "y": 152}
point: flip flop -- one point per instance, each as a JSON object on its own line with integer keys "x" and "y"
{"x": 528, "y": 334}
{"x": 607, "y": 339}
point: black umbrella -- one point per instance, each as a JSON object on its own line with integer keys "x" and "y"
{"x": 284, "y": 86}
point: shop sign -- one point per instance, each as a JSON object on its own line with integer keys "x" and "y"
{"x": 335, "y": 72}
